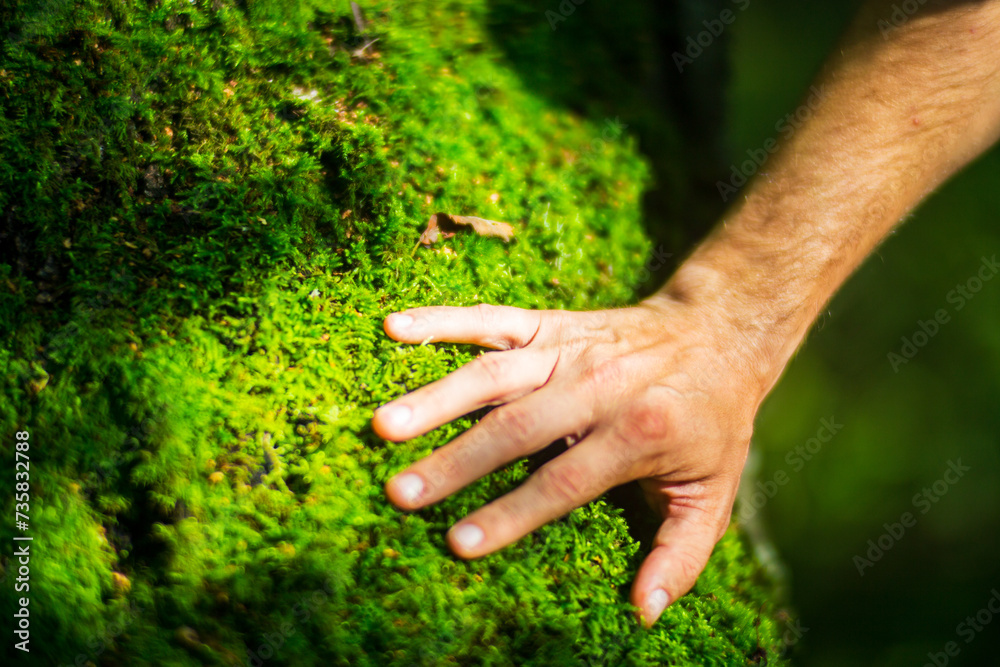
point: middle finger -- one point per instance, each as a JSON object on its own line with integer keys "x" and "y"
{"x": 513, "y": 431}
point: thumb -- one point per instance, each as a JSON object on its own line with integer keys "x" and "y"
{"x": 680, "y": 551}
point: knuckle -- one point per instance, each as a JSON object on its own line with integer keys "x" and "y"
{"x": 486, "y": 314}
{"x": 605, "y": 375}
{"x": 436, "y": 476}
{"x": 491, "y": 323}
{"x": 494, "y": 367}
{"x": 448, "y": 463}
{"x": 514, "y": 422}
{"x": 509, "y": 513}
{"x": 643, "y": 422}
{"x": 689, "y": 567}
{"x": 624, "y": 461}
{"x": 564, "y": 483}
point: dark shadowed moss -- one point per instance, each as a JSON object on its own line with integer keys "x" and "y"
{"x": 207, "y": 210}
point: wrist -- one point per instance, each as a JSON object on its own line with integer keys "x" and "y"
{"x": 758, "y": 305}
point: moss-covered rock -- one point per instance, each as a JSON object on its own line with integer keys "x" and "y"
{"x": 208, "y": 208}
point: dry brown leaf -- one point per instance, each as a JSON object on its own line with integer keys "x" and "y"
{"x": 443, "y": 225}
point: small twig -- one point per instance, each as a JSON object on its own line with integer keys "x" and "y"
{"x": 359, "y": 20}
{"x": 357, "y": 53}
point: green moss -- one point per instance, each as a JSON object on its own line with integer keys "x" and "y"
{"x": 209, "y": 208}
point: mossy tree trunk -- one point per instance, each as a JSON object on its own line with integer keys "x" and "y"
{"x": 207, "y": 209}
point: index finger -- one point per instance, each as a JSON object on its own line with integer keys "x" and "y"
{"x": 497, "y": 327}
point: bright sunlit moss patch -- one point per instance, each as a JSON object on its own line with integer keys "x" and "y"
{"x": 209, "y": 208}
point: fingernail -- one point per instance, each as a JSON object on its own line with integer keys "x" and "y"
{"x": 410, "y": 486}
{"x": 655, "y": 604}
{"x": 398, "y": 415}
{"x": 468, "y": 535}
{"x": 401, "y": 321}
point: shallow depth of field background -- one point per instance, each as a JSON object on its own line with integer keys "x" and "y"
{"x": 899, "y": 429}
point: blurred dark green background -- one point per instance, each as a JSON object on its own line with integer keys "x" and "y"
{"x": 899, "y": 429}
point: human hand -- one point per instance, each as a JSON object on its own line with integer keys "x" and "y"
{"x": 661, "y": 392}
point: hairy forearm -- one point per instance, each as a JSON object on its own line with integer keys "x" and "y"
{"x": 901, "y": 111}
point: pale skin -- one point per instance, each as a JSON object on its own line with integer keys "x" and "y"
{"x": 665, "y": 392}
